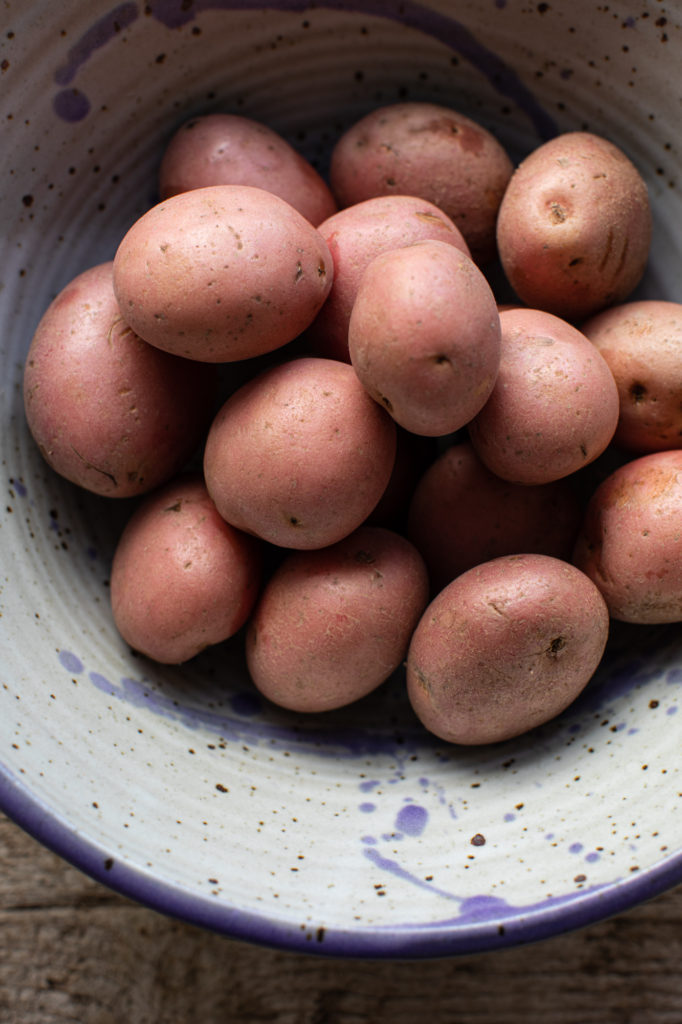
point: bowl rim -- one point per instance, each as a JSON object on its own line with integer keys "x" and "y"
{"x": 400, "y": 942}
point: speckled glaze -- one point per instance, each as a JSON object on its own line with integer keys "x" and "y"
{"x": 353, "y": 833}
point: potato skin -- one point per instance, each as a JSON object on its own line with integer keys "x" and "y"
{"x": 554, "y": 407}
{"x": 431, "y": 151}
{"x": 424, "y": 337}
{"x": 504, "y": 648}
{"x": 108, "y": 411}
{"x": 461, "y": 514}
{"x": 226, "y": 149}
{"x": 642, "y": 344}
{"x": 355, "y": 235}
{"x": 574, "y": 226}
{"x": 221, "y": 273}
{"x": 182, "y": 579}
{"x": 630, "y": 543}
{"x": 332, "y": 625}
{"x": 300, "y": 455}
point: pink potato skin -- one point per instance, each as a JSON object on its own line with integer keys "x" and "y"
{"x": 461, "y": 514}
{"x": 630, "y": 543}
{"x": 574, "y": 226}
{"x": 424, "y": 337}
{"x": 554, "y": 407}
{"x": 642, "y": 344}
{"x": 332, "y": 625}
{"x": 431, "y": 151}
{"x": 226, "y": 149}
{"x": 109, "y": 412}
{"x": 300, "y": 455}
{"x": 182, "y": 579}
{"x": 504, "y": 648}
{"x": 355, "y": 235}
{"x": 221, "y": 273}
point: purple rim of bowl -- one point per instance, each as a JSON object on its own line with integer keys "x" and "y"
{"x": 440, "y": 939}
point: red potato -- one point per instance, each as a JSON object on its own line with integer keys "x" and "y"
{"x": 424, "y": 337}
{"x": 332, "y": 625}
{"x": 630, "y": 543}
{"x": 431, "y": 151}
{"x": 504, "y": 648}
{"x": 221, "y": 273}
{"x": 355, "y": 236}
{"x": 461, "y": 514}
{"x": 642, "y": 344}
{"x": 226, "y": 149}
{"x": 574, "y": 226}
{"x": 182, "y": 579}
{"x": 300, "y": 455}
{"x": 554, "y": 407}
{"x": 109, "y": 412}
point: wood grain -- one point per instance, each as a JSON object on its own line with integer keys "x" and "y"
{"x": 72, "y": 951}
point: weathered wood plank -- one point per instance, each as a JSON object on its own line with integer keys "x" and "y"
{"x": 72, "y": 952}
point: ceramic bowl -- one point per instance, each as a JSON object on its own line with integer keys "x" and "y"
{"x": 354, "y": 833}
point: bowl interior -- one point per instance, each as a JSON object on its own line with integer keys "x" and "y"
{"x": 355, "y": 832}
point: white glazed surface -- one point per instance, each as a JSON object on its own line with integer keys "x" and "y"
{"x": 352, "y": 833}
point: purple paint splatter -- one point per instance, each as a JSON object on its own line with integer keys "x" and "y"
{"x": 71, "y": 105}
{"x": 411, "y": 819}
{"x": 70, "y": 662}
{"x": 98, "y": 35}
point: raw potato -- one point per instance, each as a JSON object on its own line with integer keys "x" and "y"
{"x": 424, "y": 337}
{"x": 642, "y": 343}
{"x": 109, "y": 412}
{"x": 182, "y": 579}
{"x": 226, "y": 149}
{"x": 630, "y": 544}
{"x": 554, "y": 407}
{"x": 504, "y": 648}
{"x": 355, "y": 236}
{"x": 461, "y": 514}
{"x": 300, "y": 455}
{"x": 332, "y": 625}
{"x": 574, "y": 226}
{"x": 221, "y": 273}
{"x": 427, "y": 150}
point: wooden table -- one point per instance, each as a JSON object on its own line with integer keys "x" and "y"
{"x": 72, "y": 951}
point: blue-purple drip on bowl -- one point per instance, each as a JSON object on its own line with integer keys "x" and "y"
{"x": 354, "y": 833}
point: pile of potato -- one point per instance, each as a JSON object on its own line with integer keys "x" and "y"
{"x": 396, "y": 469}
